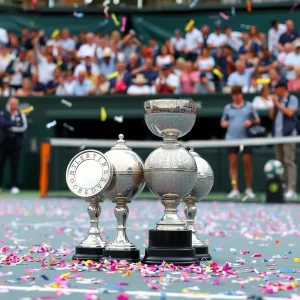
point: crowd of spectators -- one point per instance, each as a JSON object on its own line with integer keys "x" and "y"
{"x": 200, "y": 61}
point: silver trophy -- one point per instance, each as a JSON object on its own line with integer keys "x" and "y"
{"x": 88, "y": 175}
{"x": 170, "y": 173}
{"x": 205, "y": 181}
{"x": 127, "y": 183}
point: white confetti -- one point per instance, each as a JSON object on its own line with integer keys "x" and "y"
{"x": 51, "y": 124}
{"x": 245, "y": 198}
{"x": 232, "y": 250}
{"x": 119, "y": 119}
{"x": 193, "y": 288}
{"x": 66, "y": 103}
{"x": 69, "y": 127}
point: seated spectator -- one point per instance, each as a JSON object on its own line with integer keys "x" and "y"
{"x": 292, "y": 60}
{"x": 18, "y": 69}
{"x": 205, "y": 30}
{"x": 289, "y": 36}
{"x": 193, "y": 43}
{"x": 134, "y": 62}
{"x": 87, "y": 64}
{"x": 205, "y": 63}
{"x": 5, "y": 90}
{"x": 253, "y": 86}
{"x": 275, "y": 78}
{"x": 167, "y": 82}
{"x": 264, "y": 100}
{"x": 250, "y": 58}
{"x": 257, "y": 39}
{"x": 294, "y": 84}
{"x": 266, "y": 63}
{"x": 82, "y": 86}
{"x": 66, "y": 42}
{"x": 234, "y": 39}
{"x": 129, "y": 45}
{"x": 81, "y": 40}
{"x": 216, "y": 39}
{"x": 54, "y": 83}
{"x": 107, "y": 64}
{"x": 179, "y": 66}
{"x": 115, "y": 41}
{"x": 14, "y": 46}
{"x": 164, "y": 58}
{"x": 38, "y": 89}
{"x": 5, "y": 57}
{"x": 88, "y": 48}
{"x": 274, "y": 34}
{"x": 25, "y": 90}
{"x": 154, "y": 46}
{"x": 119, "y": 84}
{"x": 148, "y": 70}
{"x": 102, "y": 85}
{"x": 287, "y": 48}
{"x": 140, "y": 86}
{"x": 241, "y": 77}
{"x": 225, "y": 62}
{"x": 66, "y": 86}
{"x": 188, "y": 79}
{"x": 178, "y": 43}
{"x": 204, "y": 86}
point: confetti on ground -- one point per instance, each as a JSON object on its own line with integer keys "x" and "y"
{"x": 69, "y": 127}
{"x": 51, "y": 124}
{"x": 66, "y": 103}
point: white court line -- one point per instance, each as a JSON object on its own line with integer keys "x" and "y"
{"x": 133, "y": 293}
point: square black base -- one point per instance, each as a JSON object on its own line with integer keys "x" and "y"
{"x": 202, "y": 253}
{"x": 173, "y": 247}
{"x": 130, "y": 256}
{"x": 86, "y": 253}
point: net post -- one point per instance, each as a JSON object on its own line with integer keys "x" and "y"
{"x": 45, "y": 151}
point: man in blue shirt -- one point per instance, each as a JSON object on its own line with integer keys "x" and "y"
{"x": 284, "y": 116}
{"x": 289, "y": 36}
{"x": 242, "y": 75}
{"x": 236, "y": 118}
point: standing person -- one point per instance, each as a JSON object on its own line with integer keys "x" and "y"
{"x": 284, "y": 116}
{"x": 237, "y": 117}
{"x": 13, "y": 125}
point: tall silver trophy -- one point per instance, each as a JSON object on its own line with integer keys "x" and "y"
{"x": 88, "y": 175}
{"x": 204, "y": 183}
{"x": 170, "y": 173}
{"x": 127, "y": 184}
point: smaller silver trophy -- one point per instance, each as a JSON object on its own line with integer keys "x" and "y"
{"x": 205, "y": 181}
{"x": 88, "y": 174}
{"x": 127, "y": 184}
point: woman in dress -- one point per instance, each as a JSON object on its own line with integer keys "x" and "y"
{"x": 188, "y": 79}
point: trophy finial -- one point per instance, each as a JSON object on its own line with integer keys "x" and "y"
{"x": 121, "y": 137}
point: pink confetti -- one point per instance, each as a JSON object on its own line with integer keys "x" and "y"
{"x": 293, "y": 7}
{"x": 257, "y": 255}
{"x": 123, "y": 27}
{"x": 123, "y": 296}
{"x": 222, "y": 15}
{"x": 216, "y": 282}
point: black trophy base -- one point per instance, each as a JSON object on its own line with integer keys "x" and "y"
{"x": 170, "y": 246}
{"x": 131, "y": 256}
{"x": 86, "y": 253}
{"x": 202, "y": 253}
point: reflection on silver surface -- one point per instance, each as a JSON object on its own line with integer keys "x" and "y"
{"x": 88, "y": 174}
{"x": 127, "y": 184}
{"x": 170, "y": 171}
{"x": 205, "y": 181}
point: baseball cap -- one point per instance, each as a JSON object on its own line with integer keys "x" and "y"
{"x": 281, "y": 83}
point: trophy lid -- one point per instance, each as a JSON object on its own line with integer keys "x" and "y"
{"x": 121, "y": 144}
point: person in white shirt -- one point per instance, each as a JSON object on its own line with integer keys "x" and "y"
{"x": 205, "y": 63}
{"x": 287, "y": 48}
{"x": 88, "y": 49}
{"x": 140, "y": 86}
{"x": 3, "y": 36}
{"x": 194, "y": 41}
{"x": 234, "y": 39}
{"x": 216, "y": 39}
{"x": 164, "y": 58}
{"x": 167, "y": 82}
{"x": 274, "y": 34}
{"x": 88, "y": 63}
{"x": 66, "y": 86}
{"x": 68, "y": 45}
{"x": 178, "y": 42}
{"x": 264, "y": 100}
{"x": 292, "y": 60}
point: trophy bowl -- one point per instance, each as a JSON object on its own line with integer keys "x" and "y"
{"x": 170, "y": 171}
{"x": 170, "y": 114}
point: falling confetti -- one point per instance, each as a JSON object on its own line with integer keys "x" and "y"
{"x": 27, "y": 110}
{"x": 248, "y": 5}
{"x": 69, "y": 127}
{"x": 103, "y": 114}
{"x": 293, "y": 7}
{"x": 51, "y": 124}
{"x": 104, "y": 22}
{"x": 233, "y": 11}
{"x": 114, "y": 18}
{"x": 123, "y": 27}
{"x": 113, "y": 75}
{"x": 194, "y": 3}
{"x": 223, "y": 16}
{"x": 119, "y": 119}
{"x": 66, "y": 103}
{"x": 78, "y": 15}
{"x": 189, "y": 25}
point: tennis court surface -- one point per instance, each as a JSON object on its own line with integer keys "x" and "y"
{"x": 255, "y": 249}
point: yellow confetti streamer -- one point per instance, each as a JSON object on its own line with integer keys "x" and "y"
{"x": 114, "y": 18}
{"x": 59, "y": 63}
{"x": 217, "y": 72}
{"x": 27, "y": 110}
{"x": 55, "y": 285}
{"x": 263, "y": 80}
{"x": 184, "y": 290}
{"x": 296, "y": 259}
{"x": 66, "y": 275}
{"x": 55, "y": 33}
{"x": 103, "y": 114}
{"x": 112, "y": 75}
{"x": 189, "y": 25}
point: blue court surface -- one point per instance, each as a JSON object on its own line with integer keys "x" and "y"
{"x": 255, "y": 249}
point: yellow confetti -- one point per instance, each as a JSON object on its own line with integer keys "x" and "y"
{"x": 66, "y": 275}
{"x": 51, "y": 260}
{"x": 112, "y": 75}
{"x": 263, "y": 80}
{"x": 103, "y": 114}
{"x": 114, "y": 18}
{"x": 296, "y": 259}
{"x": 27, "y": 110}
{"x": 59, "y": 63}
{"x": 128, "y": 273}
{"x": 55, "y": 33}
{"x": 184, "y": 290}
{"x": 217, "y": 72}
{"x": 55, "y": 285}
{"x": 189, "y": 25}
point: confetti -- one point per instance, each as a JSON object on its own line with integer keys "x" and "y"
{"x": 296, "y": 259}
{"x": 245, "y": 26}
{"x": 233, "y": 11}
{"x": 193, "y": 4}
{"x": 256, "y": 255}
{"x": 69, "y": 127}
{"x": 263, "y": 80}
{"x": 112, "y": 75}
{"x": 245, "y": 199}
{"x": 217, "y": 72}
{"x": 114, "y": 18}
{"x": 248, "y": 5}
{"x": 55, "y": 33}
{"x": 293, "y": 7}
{"x": 66, "y": 103}
{"x": 104, "y": 22}
{"x": 27, "y": 110}
{"x": 103, "y": 114}
{"x": 51, "y": 124}
{"x": 291, "y": 270}
{"x": 78, "y": 15}
{"x": 119, "y": 119}
{"x": 223, "y": 16}
{"x": 189, "y": 25}
{"x": 123, "y": 27}
{"x": 33, "y": 4}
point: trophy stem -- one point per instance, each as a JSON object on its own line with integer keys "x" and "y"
{"x": 170, "y": 220}
{"x": 94, "y": 238}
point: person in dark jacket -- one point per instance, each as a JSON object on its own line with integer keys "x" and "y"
{"x": 284, "y": 117}
{"x": 13, "y": 126}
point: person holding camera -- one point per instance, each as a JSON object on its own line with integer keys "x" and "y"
{"x": 237, "y": 118}
{"x": 284, "y": 117}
